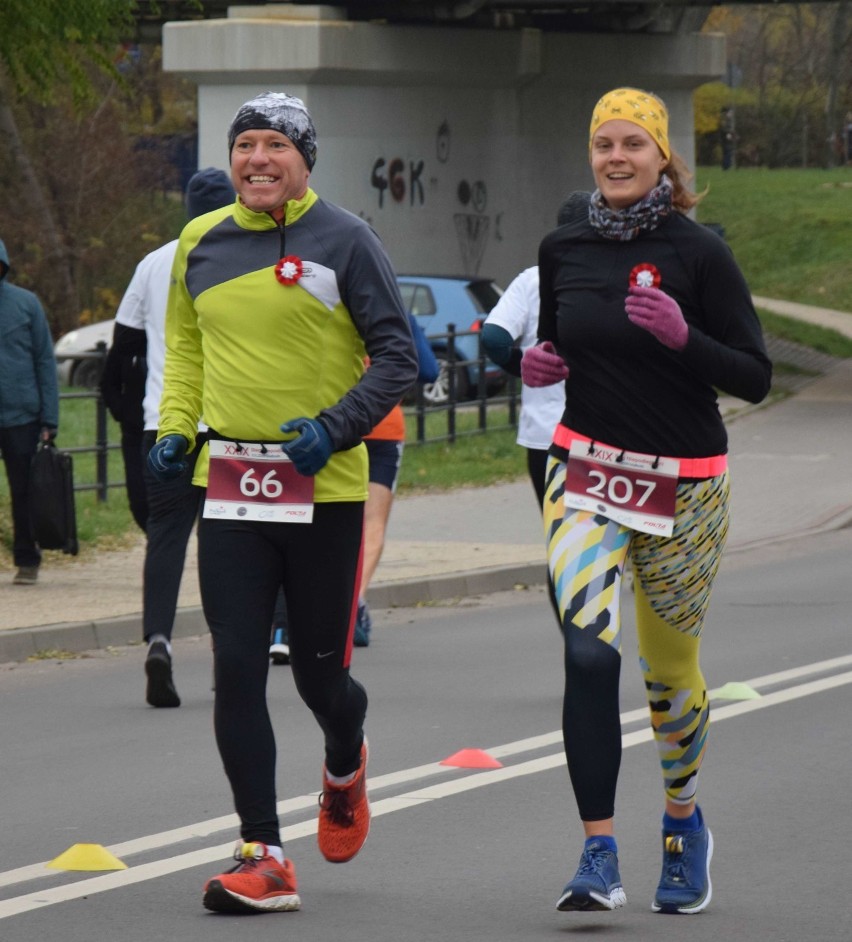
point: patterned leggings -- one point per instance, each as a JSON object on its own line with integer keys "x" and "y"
{"x": 672, "y": 578}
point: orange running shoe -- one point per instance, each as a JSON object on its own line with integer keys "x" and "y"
{"x": 258, "y": 883}
{"x": 344, "y": 819}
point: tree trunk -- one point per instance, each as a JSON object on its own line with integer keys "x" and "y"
{"x": 836, "y": 62}
{"x": 37, "y": 202}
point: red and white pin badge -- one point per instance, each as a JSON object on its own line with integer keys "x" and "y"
{"x": 289, "y": 269}
{"x": 645, "y": 275}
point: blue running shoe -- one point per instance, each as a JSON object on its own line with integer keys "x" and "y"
{"x": 363, "y": 625}
{"x": 685, "y": 882}
{"x": 279, "y": 649}
{"x": 597, "y": 883}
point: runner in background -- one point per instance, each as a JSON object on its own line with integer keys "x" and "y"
{"x": 511, "y": 328}
{"x": 170, "y": 507}
{"x": 385, "y": 444}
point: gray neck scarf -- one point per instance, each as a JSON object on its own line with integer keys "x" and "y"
{"x": 622, "y": 225}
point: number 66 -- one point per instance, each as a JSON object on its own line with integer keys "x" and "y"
{"x": 269, "y": 486}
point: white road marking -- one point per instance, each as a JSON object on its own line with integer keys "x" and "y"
{"x": 137, "y": 874}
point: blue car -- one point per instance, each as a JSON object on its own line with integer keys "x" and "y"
{"x": 437, "y": 301}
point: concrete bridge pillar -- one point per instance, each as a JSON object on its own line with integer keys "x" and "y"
{"x": 458, "y": 145}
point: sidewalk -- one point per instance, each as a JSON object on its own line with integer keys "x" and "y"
{"x": 789, "y": 470}
{"x": 821, "y": 316}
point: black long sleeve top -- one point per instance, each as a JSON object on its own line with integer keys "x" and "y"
{"x": 624, "y": 387}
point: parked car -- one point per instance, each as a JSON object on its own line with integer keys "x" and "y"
{"x": 73, "y": 369}
{"x": 438, "y": 301}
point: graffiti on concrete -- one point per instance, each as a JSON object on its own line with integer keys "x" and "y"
{"x": 397, "y": 181}
{"x": 472, "y": 229}
{"x": 472, "y": 233}
{"x": 402, "y": 182}
{"x": 443, "y": 143}
{"x": 473, "y": 194}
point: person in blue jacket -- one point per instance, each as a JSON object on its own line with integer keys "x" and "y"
{"x": 29, "y": 406}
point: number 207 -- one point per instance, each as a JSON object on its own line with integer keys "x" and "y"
{"x": 619, "y": 489}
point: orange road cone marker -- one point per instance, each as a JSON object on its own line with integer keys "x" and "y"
{"x": 472, "y": 759}
{"x": 87, "y": 857}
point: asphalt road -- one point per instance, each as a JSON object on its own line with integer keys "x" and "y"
{"x": 453, "y": 853}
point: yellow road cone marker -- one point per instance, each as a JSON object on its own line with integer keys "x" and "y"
{"x": 87, "y": 857}
{"x": 734, "y": 690}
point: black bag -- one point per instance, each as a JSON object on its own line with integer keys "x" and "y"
{"x": 52, "y": 509}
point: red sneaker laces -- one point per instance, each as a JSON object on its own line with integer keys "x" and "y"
{"x": 335, "y": 802}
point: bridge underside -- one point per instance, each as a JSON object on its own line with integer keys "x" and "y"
{"x": 456, "y": 144}
{"x": 599, "y": 16}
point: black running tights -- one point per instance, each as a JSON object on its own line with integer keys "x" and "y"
{"x": 241, "y": 566}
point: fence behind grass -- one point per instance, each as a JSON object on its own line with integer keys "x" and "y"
{"x": 433, "y": 421}
{"x": 101, "y": 444}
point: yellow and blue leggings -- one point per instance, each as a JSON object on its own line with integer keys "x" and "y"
{"x": 673, "y": 577}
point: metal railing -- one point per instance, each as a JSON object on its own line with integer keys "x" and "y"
{"x": 480, "y": 400}
{"x": 102, "y": 445}
{"x": 505, "y": 404}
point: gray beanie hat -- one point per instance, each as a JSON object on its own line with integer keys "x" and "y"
{"x": 575, "y": 207}
{"x": 277, "y": 111}
{"x": 207, "y": 190}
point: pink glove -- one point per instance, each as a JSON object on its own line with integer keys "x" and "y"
{"x": 653, "y": 310}
{"x": 542, "y": 366}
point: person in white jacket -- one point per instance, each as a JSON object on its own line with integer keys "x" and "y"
{"x": 511, "y": 328}
{"x": 173, "y": 505}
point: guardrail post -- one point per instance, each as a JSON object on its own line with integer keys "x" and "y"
{"x": 481, "y": 393}
{"x": 451, "y": 376}
{"x": 513, "y": 401}
{"x": 101, "y": 438}
{"x": 420, "y": 405}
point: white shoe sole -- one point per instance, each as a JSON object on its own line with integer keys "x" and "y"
{"x": 594, "y": 902}
{"x": 220, "y": 900}
{"x": 280, "y": 653}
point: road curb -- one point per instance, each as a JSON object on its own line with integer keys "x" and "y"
{"x": 20, "y": 644}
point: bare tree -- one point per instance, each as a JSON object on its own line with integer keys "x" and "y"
{"x": 56, "y": 252}
{"x": 838, "y": 67}
{"x": 793, "y": 62}
{"x": 45, "y": 46}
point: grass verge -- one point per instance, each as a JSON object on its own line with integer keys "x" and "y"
{"x": 807, "y": 335}
{"x": 788, "y": 229}
{"x": 475, "y": 459}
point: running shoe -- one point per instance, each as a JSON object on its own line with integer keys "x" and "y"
{"x": 258, "y": 883}
{"x": 344, "y": 818}
{"x": 685, "y": 882}
{"x": 26, "y": 575}
{"x": 161, "y": 690}
{"x": 597, "y": 883}
{"x": 279, "y": 649}
{"x": 363, "y": 625}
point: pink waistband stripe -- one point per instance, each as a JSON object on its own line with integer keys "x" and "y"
{"x": 689, "y": 467}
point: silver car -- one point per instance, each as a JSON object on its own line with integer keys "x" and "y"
{"x": 73, "y": 368}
